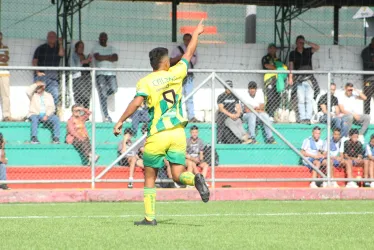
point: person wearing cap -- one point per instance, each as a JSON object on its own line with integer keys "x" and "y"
{"x": 350, "y": 113}
{"x": 306, "y": 85}
{"x": 229, "y": 115}
{"x": 367, "y": 56}
{"x": 256, "y": 100}
{"x": 272, "y": 87}
{"x": 312, "y": 149}
{"x": 42, "y": 109}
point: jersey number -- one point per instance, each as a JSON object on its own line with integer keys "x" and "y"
{"x": 169, "y": 96}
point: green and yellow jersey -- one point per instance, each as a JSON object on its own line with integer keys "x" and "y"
{"x": 163, "y": 92}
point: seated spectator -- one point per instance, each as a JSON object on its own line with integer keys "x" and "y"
{"x": 336, "y": 160}
{"x": 312, "y": 149}
{"x": 140, "y": 115}
{"x": 195, "y": 153}
{"x": 256, "y": 100}
{"x": 369, "y": 162}
{"x": 336, "y": 119}
{"x": 42, "y": 109}
{"x": 134, "y": 158}
{"x": 77, "y": 133}
{"x": 350, "y": 114}
{"x": 3, "y": 162}
{"x": 352, "y": 150}
{"x": 229, "y": 113}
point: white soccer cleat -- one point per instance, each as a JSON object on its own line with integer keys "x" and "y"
{"x": 313, "y": 185}
{"x": 351, "y": 184}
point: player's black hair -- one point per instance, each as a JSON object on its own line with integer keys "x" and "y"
{"x": 353, "y": 131}
{"x": 252, "y": 85}
{"x": 128, "y": 131}
{"x": 316, "y": 128}
{"x": 194, "y": 127}
{"x": 186, "y": 35}
{"x": 337, "y": 129}
{"x": 156, "y": 55}
{"x": 300, "y": 37}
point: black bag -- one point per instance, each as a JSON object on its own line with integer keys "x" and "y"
{"x": 208, "y": 155}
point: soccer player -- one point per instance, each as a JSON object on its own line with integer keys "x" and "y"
{"x": 162, "y": 89}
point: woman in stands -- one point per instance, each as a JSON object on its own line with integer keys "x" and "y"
{"x": 77, "y": 133}
{"x": 3, "y": 162}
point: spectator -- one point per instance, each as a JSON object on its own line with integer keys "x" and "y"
{"x": 230, "y": 112}
{"x": 336, "y": 119}
{"x": 82, "y": 86}
{"x": 369, "y": 162}
{"x": 347, "y": 105}
{"x": 42, "y": 109}
{"x": 49, "y": 55}
{"x": 106, "y": 81}
{"x": 301, "y": 59}
{"x": 140, "y": 115}
{"x": 176, "y": 56}
{"x": 352, "y": 150}
{"x": 3, "y": 162}
{"x": 77, "y": 133}
{"x": 134, "y": 158}
{"x": 195, "y": 153}
{"x": 312, "y": 149}
{"x": 273, "y": 82}
{"x": 336, "y": 160}
{"x": 256, "y": 100}
{"x": 367, "y": 56}
{"x": 4, "y": 81}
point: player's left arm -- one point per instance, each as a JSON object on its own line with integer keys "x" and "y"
{"x": 191, "y": 48}
{"x": 131, "y": 108}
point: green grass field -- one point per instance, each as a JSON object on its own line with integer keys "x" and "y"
{"x": 190, "y": 225}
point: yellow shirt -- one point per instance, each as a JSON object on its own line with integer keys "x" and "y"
{"x": 163, "y": 92}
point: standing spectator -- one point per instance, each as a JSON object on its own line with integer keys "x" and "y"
{"x": 176, "y": 56}
{"x": 195, "y": 153}
{"x": 301, "y": 59}
{"x": 336, "y": 119}
{"x": 105, "y": 57}
{"x": 353, "y": 155}
{"x": 4, "y": 81}
{"x": 82, "y": 86}
{"x": 49, "y": 55}
{"x": 77, "y": 133}
{"x": 347, "y": 105}
{"x": 336, "y": 160}
{"x": 3, "y": 162}
{"x": 230, "y": 112}
{"x": 140, "y": 115}
{"x": 312, "y": 149}
{"x": 42, "y": 109}
{"x": 367, "y": 56}
{"x": 272, "y": 89}
{"x": 133, "y": 158}
{"x": 256, "y": 100}
{"x": 369, "y": 162}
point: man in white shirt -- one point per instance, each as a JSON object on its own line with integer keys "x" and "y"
{"x": 350, "y": 115}
{"x": 257, "y": 101}
{"x": 105, "y": 57}
{"x": 312, "y": 149}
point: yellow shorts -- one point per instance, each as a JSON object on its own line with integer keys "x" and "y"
{"x": 170, "y": 143}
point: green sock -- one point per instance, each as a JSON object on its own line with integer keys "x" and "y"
{"x": 187, "y": 178}
{"x": 150, "y": 203}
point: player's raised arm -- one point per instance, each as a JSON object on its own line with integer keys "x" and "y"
{"x": 193, "y": 44}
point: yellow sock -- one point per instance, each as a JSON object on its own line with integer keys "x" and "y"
{"x": 150, "y": 203}
{"x": 187, "y": 178}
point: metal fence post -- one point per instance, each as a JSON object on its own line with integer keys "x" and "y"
{"x": 93, "y": 129}
{"x": 328, "y": 140}
{"x": 213, "y": 147}
{"x": 63, "y": 93}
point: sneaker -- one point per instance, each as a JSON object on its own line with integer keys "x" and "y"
{"x": 351, "y": 184}
{"x": 254, "y": 141}
{"x": 270, "y": 141}
{"x": 201, "y": 186}
{"x": 372, "y": 184}
{"x": 247, "y": 141}
{"x": 130, "y": 184}
{"x": 367, "y": 184}
{"x": 313, "y": 185}
{"x": 56, "y": 140}
{"x": 176, "y": 185}
{"x": 325, "y": 184}
{"x": 108, "y": 120}
{"x": 334, "y": 184}
{"x": 34, "y": 140}
{"x": 4, "y": 187}
{"x": 207, "y": 184}
{"x": 145, "y": 223}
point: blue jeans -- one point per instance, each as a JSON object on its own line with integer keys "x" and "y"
{"x": 305, "y": 100}
{"x": 52, "y": 121}
{"x": 51, "y": 86}
{"x": 106, "y": 86}
{"x": 138, "y": 117}
{"x": 187, "y": 89}
{"x": 2, "y": 172}
{"x": 340, "y": 123}
{"x": 251, "y": 118}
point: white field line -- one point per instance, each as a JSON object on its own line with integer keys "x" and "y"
{"x": 182, "y": 215}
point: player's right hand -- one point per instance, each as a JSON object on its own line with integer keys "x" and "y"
{"x": 200, "y": 27}
{"x": 117, "y": 129}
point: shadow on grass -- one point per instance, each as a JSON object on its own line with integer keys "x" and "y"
{"x": 177, "y": 223}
